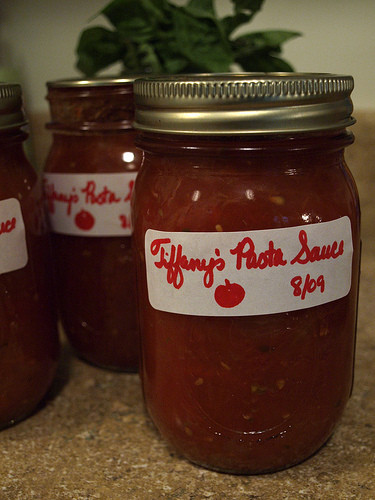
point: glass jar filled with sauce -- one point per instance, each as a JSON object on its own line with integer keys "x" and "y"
{"x": 88, "y": 181}
{"x": 29, "y": 346}
{"x": 246, "y": 233}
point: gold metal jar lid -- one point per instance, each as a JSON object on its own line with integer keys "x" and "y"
{"x": 11, "y": 106}
{"x": 245, "y": 103}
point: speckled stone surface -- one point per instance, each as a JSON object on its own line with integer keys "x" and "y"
{"x": 92, "y": 439}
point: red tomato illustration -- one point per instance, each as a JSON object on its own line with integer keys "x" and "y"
{"x": 229, "y": 295}
{"x": 84, "y": 220}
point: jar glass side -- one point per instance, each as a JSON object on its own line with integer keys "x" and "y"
{"x": 95, "y": 274}
{"x": 246, "y": 394}
{"x": 91, "y": 107}
{"x": 29, "y": 337}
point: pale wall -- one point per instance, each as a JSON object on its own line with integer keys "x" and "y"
{"x": 38, "y": 39}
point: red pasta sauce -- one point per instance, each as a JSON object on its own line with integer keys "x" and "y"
{"x": 93, "y": 145}
{"x": 253, "y": 392}
{"x": 29, "y": 346}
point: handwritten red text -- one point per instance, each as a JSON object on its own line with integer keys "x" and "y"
{"x": 307, "y": 285}
{"x": 175, "y": 262}
{"x": 53, "y": 195}
{"x": 316, "y": 253}
{"x": 129, "y": 195}
{"x": 125, "y": 221}
{"x": 105, "y": 196}
{"x": 245, "y": 251}
{"x": 8, "y": 226}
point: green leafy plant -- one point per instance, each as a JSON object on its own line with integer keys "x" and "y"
{"x": 160, "y": 37}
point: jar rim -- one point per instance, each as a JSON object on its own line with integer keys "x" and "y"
{"x": 243, "y": 103}
{"x": 11, "y": 106}
{"x": 91, "y": 105}
{"x": 92, "y": 82}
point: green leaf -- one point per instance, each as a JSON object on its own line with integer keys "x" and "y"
{"x": 271, "y": 38}
{"x": 264, "y": 63}
{"x": 135, "y": 29}
{"x": 130, "y": 59}
{"x": 200, "y": 41}
{"x": 151, "y": 11}
{"x": 262, "y": 40}
{"x": 201, "y": 9}
{"x": 249, "y": 5}
{"x": 149, "y": 59}
{"x": 257, "y": 51}
{"x": 118, "y": 11}
{"x": 245, "y": 10}
{"x": 159, "y": 36}
{"x": 159, "y": 10}
{"x": 171, "y": 59}
{"x": 204, "y": 9}
{"x": 173, "y": 65}
{"x": 97, "y": 48}
{"x": 230, "y": 23}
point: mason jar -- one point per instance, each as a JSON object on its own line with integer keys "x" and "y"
{"x": 88, "y": 181}
{"x": 29, "y": 345}
{"x": 246, "y": 235}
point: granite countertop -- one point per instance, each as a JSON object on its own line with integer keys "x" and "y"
{"x": 91, "y": 439}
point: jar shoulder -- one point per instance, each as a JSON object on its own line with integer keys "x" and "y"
{"x": 243, "y": 194}
{"x": 90, "y": 153}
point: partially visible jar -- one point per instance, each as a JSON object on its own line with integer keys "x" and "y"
{"x": 29, "y": 345}
{"x": 88, "y": 181}
{"x": 246, "y": 234}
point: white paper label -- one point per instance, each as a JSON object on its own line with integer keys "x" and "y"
{"x": 89, "y": 204}
{"x": 13, "y": 249}
{"x": 251, "y": 272}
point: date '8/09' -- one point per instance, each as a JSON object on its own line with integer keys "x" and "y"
{"x": 305, "y": 285}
